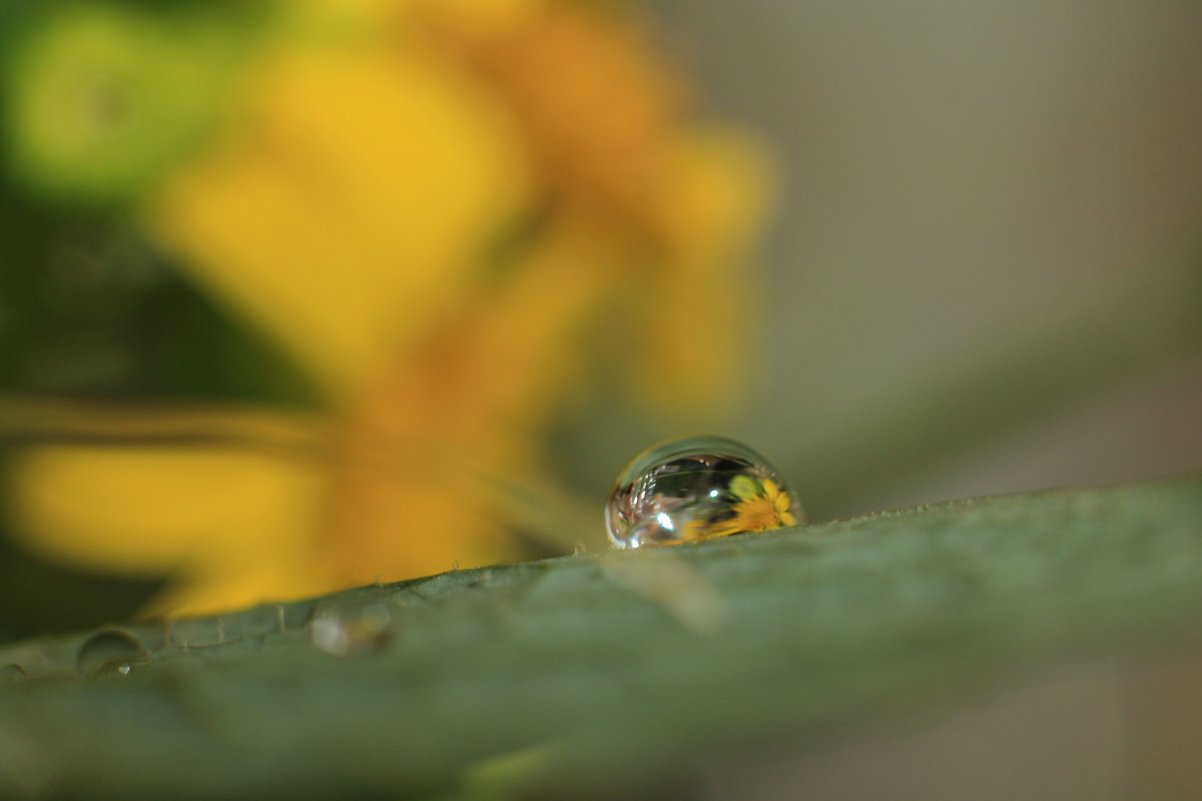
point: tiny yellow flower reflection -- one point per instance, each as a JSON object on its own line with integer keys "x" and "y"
{"x": 762, "y": 506}
{"x": 383, "y": 150}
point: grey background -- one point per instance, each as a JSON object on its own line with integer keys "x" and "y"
{"x": 953, "y": 177}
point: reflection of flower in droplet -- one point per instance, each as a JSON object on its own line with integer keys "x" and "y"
{"x": 695, "y": 488}
{"x": 762, "y": 506}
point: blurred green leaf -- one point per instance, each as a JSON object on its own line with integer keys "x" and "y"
{"x": 592, "y": 663}
{"x": 88, "y": 308}
{"x": 37, "y": 597}
{"x": 196, "y": 349}
{"x": 101, "y": 98}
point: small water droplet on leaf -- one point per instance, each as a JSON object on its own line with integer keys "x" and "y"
{"x": 697, "y": 488}
{"x": 351, "y": 629}
{"x": 111, "y": 651}
{"x": 11, "y": 673}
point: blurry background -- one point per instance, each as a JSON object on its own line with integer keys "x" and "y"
{"x": 300, "y": 296}
{"x": 967, "y": 189}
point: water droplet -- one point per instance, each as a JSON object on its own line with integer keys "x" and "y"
{"x": 348, "y": 630}
{"x": 111, "y": 651}
{"x": 697, "y": 488}
{"x": 11, "y": 673}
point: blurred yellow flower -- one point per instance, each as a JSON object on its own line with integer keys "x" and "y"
{"x": 351, "y": 206}
{"x": 437, "y": 221}
{"x": 229, "y": 525}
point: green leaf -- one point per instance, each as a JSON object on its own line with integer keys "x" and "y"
{"x": 104, "y": 97}
{"x": 606, "y": 668}
{"x": 745, "y": 487}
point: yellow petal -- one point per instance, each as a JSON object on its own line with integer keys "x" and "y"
{"x": 692, "y": 531}
{"x": 388, "y": 526}
{"x": 713, "y": 199}
{"x": 475, "y": 20}
{"x": 148, "y": 511}
{"x": 238, "y": 584}
{"x": 331, "y": 19}
{"x": 701, "y": 335}
{"x": 594, "y": 101}
{"x": 468, "y": 403}
{"x": 351, "y": 207}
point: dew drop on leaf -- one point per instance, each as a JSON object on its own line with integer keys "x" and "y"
{"x": 350, "y": 629}
{"x": 11, "y": 673}
{"x": 111, "y": 651}
{"x": 697, "y": 488}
